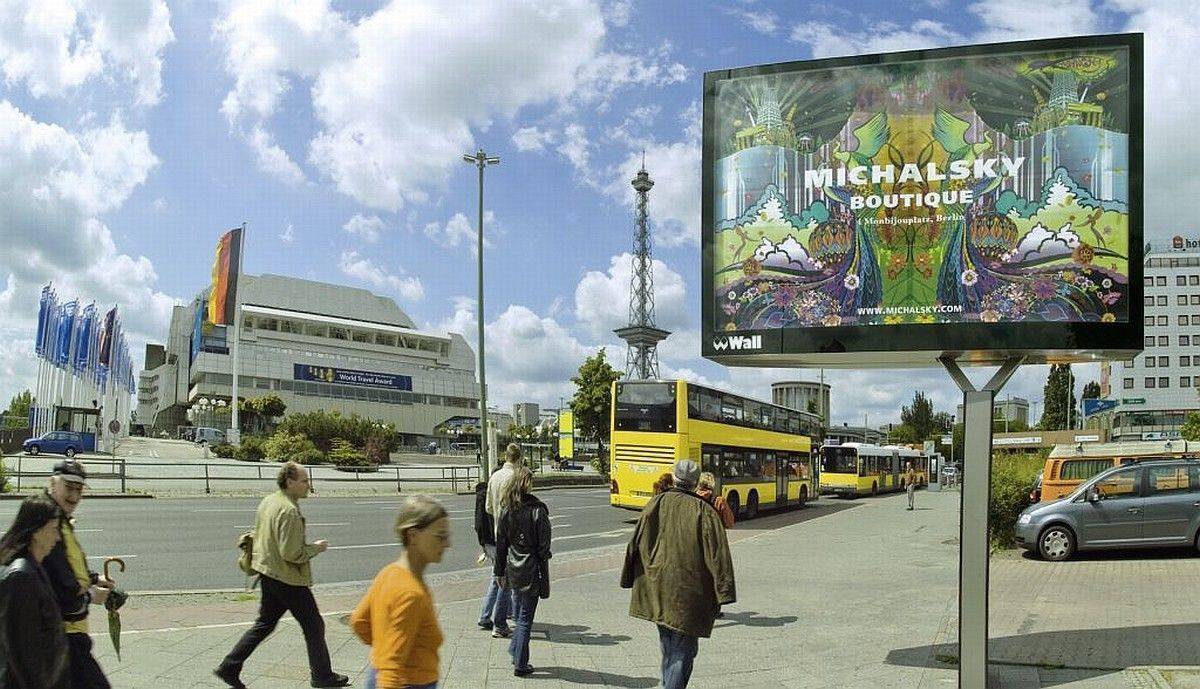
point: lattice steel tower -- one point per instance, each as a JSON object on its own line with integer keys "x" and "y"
{"x": 641, "y": 335}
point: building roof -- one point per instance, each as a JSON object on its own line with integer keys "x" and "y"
{"x": 322, "y": 298}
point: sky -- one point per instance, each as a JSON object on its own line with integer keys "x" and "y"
{"x": 134, "y": 132}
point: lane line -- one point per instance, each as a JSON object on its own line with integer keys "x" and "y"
{"x": 105, "y": 557}
{"x": 251, "y": 526}
{"x": 88, "y": 530}
{"x": 365, "y": 545}
{"x": 606, "y": 534}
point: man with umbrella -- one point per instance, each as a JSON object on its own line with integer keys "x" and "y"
{"x": 75, "y": 586}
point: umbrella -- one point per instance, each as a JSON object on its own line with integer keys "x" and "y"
{"x": 116, "y": 598}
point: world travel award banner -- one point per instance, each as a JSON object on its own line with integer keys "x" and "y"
{"x": 979, "y": 189}
{"x": 346, "y": 376}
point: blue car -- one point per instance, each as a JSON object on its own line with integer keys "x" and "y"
{"x": 56, "y": 442}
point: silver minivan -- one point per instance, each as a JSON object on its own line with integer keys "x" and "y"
{"x": 1151, "y": 504}
{"x": 208, "y": 436}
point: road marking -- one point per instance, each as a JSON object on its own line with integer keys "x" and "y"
{"x": 243, "y": 511}
{"x": 88, "y": 530}
{"x": 251, "y": 526}
{"x": 366, "y": 545}
{"x": 606, "y": 534}
{"x": 105, "y": 557}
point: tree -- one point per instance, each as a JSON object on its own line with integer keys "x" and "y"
{"x": 919, "y": 417}
{"x": 1091, "y": 391}
{"x": 943, "y": 422}
{"x": 1191, "y": 428}
{"x": 592, "y": 403}
{"x": 17, "y": 415}
{"x": 813, "y": 406}
{"x": 256, "y": 412}
{"x": 1055, "y": 394}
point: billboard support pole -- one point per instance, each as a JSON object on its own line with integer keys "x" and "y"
{"x": 978, "y": 407}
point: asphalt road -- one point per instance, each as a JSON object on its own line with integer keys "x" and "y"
{"x": 189, "y": 544}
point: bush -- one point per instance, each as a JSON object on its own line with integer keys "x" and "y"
{"x": 284, "y": 446}
{"x": 250, "y": 450}
{"x": 343, "y": 454}
{"x": 600, "y": 462}
{"x": 223, "y": 450}
{"x": 376, "y": 450}
{"x": 323, "y": 428}
{"x": 1012, "y": 478}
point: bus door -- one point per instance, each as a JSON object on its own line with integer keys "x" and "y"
{"x": 895, "y": 471}
{"x": 710, "y": 461}
{"x": 781, "y": 478}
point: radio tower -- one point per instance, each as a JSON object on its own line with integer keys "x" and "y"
{"x": 641, "y": 335}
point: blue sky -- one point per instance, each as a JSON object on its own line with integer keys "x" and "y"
{"x": 133, "y": 133}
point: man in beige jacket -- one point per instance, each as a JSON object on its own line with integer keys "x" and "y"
{"x": 282, "y": 555}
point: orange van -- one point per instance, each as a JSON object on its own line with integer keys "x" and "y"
{"x": 1071, "y": 464}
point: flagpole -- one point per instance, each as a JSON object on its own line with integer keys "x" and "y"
{"x": 235, "y": 431}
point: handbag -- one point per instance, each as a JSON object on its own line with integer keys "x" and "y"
{"x": 543, "y": 571}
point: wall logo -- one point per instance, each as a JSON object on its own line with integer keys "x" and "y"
{"x": 1179, "y": 243}
{"x": 737, "y": 342}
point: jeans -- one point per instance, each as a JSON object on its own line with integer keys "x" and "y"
{"x": 497, "y": 601}
{"x": 371, "y": 681}
{"x": 912, "y": 491}
{"x": 85, "y": 671}
{"x": 278, "y": 598}
{"x": 524, "y": 606}
{"x": 678, "y": 654}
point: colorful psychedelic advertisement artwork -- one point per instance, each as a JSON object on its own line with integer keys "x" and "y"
{"x": 981, "y": 189}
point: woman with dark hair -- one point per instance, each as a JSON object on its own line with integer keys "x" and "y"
{"x": 522, "y": 556}
{"x": 33, "y": 646}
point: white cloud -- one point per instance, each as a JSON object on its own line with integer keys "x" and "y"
{"x": 1008, "y": 20}
{"x": 618, "y": 12}
{"x": 366, "y": 270}
{"x": 367, "y": 227}
{"x": 602, "y": 298}
{"x": 531, "y": 358}
{"x": 159, "y": 205}
{"x": 459, "y": 231}
{"x": 764, "y": 22}
{"x": 532, "y": 139}
{"x": 826, "y": 39}
{"x": 674, "y": 206}
{"x": 575, "y": 148}
{"x": 462, "y": 321}
{"x": 272, "y": 159}
{"x": 53, "y": 46}
{"x": 288, "y": 235}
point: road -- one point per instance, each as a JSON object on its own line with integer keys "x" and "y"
{"x": 189, "y": 544}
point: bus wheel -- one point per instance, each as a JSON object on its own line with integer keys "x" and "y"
{"x": 874, "y": 489}
{"x": 735, "y": 505}
{"x": 803, "y": 497}
{"x": 752, "y": 505}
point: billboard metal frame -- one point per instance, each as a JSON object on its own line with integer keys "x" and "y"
{"x": 924, "y": 345}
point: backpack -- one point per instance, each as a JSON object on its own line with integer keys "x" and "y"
{"x": 245, "y": 560}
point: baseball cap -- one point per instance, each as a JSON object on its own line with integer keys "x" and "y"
{"x": 71, "y": 471}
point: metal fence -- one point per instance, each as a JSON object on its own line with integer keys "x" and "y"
{"x": 458, "y": 476}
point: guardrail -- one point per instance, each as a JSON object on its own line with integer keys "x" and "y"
{"x": 119, "y": 469}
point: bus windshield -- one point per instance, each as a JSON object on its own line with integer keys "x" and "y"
{"x": 645, "y": 406}
{"x": 839, "y": 460}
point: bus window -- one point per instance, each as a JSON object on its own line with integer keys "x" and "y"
{"x": 793, "y": 423}
{"x": 645, "y": 406}
{"x": 767, "y": 465}
{"x": 752, "y": 466}
{"x": 767, "y": 418}
{"x": 710, "y": 461}
{"x": 693, "y": 403}
{"x": 731, "y": 409}
{"x": 732, "y": 463}
{"x": 839, "y": 460}
{"x": 710, "y": 406}
{"x": 751, "y": 413}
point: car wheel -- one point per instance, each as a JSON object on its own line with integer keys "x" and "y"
{"x": 752, "y": 505}
{"x": 70, "y": 452}
{"x": 735, "y": 505}
{"x": 1056, "y": 543}
{"x": 34, "y": 449}
{"x": 803, "y": 497}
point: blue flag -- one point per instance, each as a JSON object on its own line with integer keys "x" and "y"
{"x": 66, "y": 328}
{"x": 39, "y": 345}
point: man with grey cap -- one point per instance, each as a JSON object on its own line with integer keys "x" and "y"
{"x": 681, "y": 571}
{"x": 75, "y": 586}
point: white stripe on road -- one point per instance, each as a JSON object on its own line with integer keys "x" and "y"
{"x": 88, "y": 530}
{"x": 606, "y": 534}
{"x": 243, "y": 510}
{"x": 105, "y": 557}
{"x": 366, "y": 545}
{"x": 251, "y": 526}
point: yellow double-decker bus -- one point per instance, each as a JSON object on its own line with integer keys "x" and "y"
{"x": 854, "y": 469}
{"x": 760, "y": 453}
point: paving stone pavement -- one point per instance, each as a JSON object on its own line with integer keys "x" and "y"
{"x": 864, "y": 595}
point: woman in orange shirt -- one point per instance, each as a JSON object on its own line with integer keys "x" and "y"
{"x": 397, "y": 618}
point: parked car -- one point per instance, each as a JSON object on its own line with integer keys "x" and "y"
{"x": 1141, "y": 505}
{"x": 1070, "y": 464}
{"x": 949, "y": 474}
{"x": 57, "y": 442}
{"x": 208, "y": 436}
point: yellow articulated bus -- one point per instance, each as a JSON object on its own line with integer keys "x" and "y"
{"x": 854, "y": 469}
{"x": 760, "y": 453}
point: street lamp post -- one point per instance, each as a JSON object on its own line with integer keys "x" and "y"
{"x": 481, "y": 160}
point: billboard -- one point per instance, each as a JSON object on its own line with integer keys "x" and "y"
{"x": 981, "y": 202}
{"x": 566, "y": 434}
{"x": 346, "y": 376}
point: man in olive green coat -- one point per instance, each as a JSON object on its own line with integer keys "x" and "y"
{"x": 681, "y": 571}
{"x": 281, "y": 554}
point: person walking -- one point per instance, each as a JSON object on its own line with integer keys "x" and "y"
{"x": 522, "y": 560}
{"x": 910, "y": 483}
{"x": 75, "y": 586}
{"x": 680, "y": 568}
{"x": 282, "y": 556}
{"x": 706, "y": 488}
{"x": 33, "y": 645}
{"x": 485, "y": 533}
{"x": 497, "y": 485}
{"x": 396, "y": 617}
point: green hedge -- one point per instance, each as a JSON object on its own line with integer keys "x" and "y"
{"x": 224, "y": 450}
{"x": 1012, "y": 479}
{"x": 285, "y": 446}
{"x": 250, "y": 449}
{"x": 344, "y": 454}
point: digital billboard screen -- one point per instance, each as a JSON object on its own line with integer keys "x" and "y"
{"x": 980, "y": 201}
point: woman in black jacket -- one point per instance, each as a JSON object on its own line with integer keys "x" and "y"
{"x": 522, "y": 556}
{"x": 33, "y": 646}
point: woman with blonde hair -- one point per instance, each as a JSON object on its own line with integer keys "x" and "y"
{"x": 522, "y": 560}
{"x": 706, "y": 488}
{"x": 396, "y": 617}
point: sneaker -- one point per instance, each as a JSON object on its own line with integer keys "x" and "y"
{"x": 523, "y": 671}
{"x": 498, "y": 633}
{"x": 334, "y": 680}
{"x": 229, "y": 676}
{"x": 485, "y": 625}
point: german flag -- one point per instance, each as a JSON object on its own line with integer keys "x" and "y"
{"x": 226, "y": 268}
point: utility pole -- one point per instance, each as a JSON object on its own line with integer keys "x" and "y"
{"x": 481, "y": 160}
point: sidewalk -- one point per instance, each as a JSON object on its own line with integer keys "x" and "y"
{"x": 863, "y": 596}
